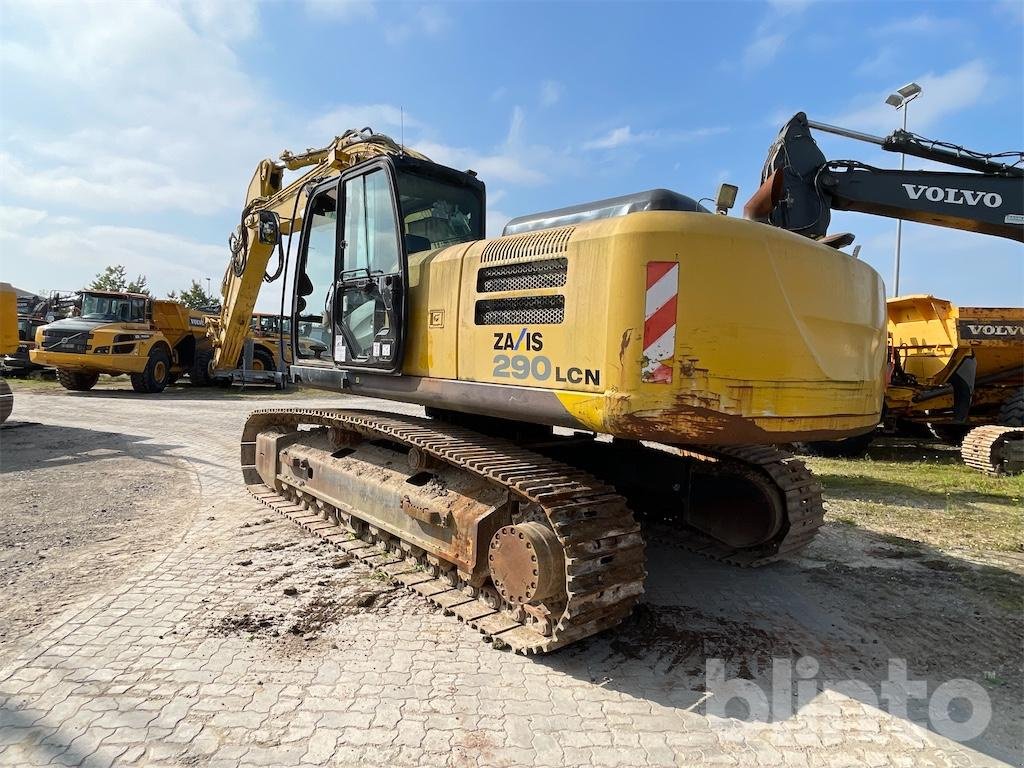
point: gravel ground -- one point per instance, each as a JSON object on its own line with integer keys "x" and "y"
{"x": 88, "y": 510}
{"x": 79, "y": 509}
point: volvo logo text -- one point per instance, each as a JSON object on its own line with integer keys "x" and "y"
{"x": 954, "y": 196}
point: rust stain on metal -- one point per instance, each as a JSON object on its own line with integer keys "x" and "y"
{"x": 625, "y": 343}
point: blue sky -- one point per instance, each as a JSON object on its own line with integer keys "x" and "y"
{"x": 129, "y": 131}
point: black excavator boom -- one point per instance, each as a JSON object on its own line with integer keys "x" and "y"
{"x": 800, "y": 187}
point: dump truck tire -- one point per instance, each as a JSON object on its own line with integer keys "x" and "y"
{"x": 200, "y": 373}
{"x": 262, "y": 360}
{"x": 1011, "y": 413}
{"x": 6, "y": 401}
{"x": 77, "y": 382}
{"x": 157, "y": 374}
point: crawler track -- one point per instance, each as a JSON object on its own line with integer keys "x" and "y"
{"x": 799, "y": 496}
{"x": 603, "y": 545}
{"x": 604, "y": 550}
{"x": 986, "y": 449}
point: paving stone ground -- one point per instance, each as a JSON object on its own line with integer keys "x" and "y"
{"x": 198, "y": 657}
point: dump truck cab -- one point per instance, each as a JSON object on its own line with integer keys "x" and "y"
{"x": 154, "y": 341}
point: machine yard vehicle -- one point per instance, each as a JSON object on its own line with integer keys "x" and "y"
{"x": 951, "y": 368}
{"x": 642, "y": 318}
{"x": 33, "y": 313}
{"x": 8, "y": 342}
{"x": 154, "y": 341}
{"x": 275, "y": 331}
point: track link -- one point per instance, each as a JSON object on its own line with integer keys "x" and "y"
{"x": 602, "y": 543}
{"x": 987, "y": 449}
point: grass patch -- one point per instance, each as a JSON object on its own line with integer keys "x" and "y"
{"x": 930, "y": 497}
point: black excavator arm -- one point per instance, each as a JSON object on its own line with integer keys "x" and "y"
{"x": 800, "y": 187}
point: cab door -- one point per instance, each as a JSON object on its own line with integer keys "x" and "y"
{"x": 370, "y": 293}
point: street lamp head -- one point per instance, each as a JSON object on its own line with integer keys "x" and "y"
{"x": 909, "y": 91}
{"x": 903, "y": 96}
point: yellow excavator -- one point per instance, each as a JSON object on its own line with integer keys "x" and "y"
{"x": 624, "y": 361}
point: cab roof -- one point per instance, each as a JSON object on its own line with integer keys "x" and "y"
{"x": 122, "y": 294}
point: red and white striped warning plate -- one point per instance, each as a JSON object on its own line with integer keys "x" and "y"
{"x": 660, "y": 321}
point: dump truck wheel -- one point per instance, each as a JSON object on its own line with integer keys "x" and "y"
{"x": 950, "y": 434}
{"x": 6, "y": 401}
{"x": 847, "y": 448}
{"x": 77, "y": 382}
{"x": 200, "y": 373}
{"x": 157, "y": 374}
{"x": 262, "y": 360}
{"x": 1011, "y": 413}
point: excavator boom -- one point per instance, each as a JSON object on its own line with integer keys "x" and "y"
{"x": 273, "y": 209}
{"x": 800, "y": 187}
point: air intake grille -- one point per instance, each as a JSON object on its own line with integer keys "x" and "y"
{"x": 522, "y": 276}
{"x": 547, "y": 242}
{"x": 523, "y": 310}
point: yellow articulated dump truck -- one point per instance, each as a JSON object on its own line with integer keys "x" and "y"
{"x": 269, "y": 329}
{"x": 957, "y": 368}
{"x": 154, "y": 341}
{"x": 8, "y": 342}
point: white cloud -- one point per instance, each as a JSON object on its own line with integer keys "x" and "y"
{"x": 163, "y": 117}
{"x": 512, "y": 162}
{"x": 943, "y": 94}
{"x": 225, "y": 19}
{"x": 784, "y": 7}
{"x": 922, "y": 24}
{"x": 383, "y": 118}
{"x": 70, "y": 254}
{"x": 14, "y": 219}
{"x": 502, "y": 165}
{"x": 762, "y": 50}
{"x": 1012, "y": 9}
{"x": 428, "y": 21}
{"x": 345, "y": 11}
{"x": 616, "y": 137}
{"x": 550, "y": 92}
{"x": 625, "y": 136}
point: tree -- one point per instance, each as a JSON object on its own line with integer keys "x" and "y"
{"x": 194, "y": 296}
{"x": 115, "y": 278}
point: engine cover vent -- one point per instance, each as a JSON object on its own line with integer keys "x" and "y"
{"x": 547, "y": 242}
{"x": 521, "y": 310}
{"x": 523, "y": 275}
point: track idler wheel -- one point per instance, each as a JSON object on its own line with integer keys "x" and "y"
{"x": 527, "y": 564}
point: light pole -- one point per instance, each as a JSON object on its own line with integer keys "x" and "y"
{"x": 208, "y": 283}
{"x": 900, "y": 100}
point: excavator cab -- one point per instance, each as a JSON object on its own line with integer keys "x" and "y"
{"x": 353, "y": 267}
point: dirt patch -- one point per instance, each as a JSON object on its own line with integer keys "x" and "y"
{"x": 80, "y": 509}
{"x": 310, "y": 589}
{"x": 671, "y": 637}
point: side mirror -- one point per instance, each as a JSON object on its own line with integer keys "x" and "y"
{"x": 726, "y": 198}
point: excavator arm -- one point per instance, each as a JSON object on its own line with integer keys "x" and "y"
{"x": 800, "y": 187}
{"x": 273, "y": 210}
